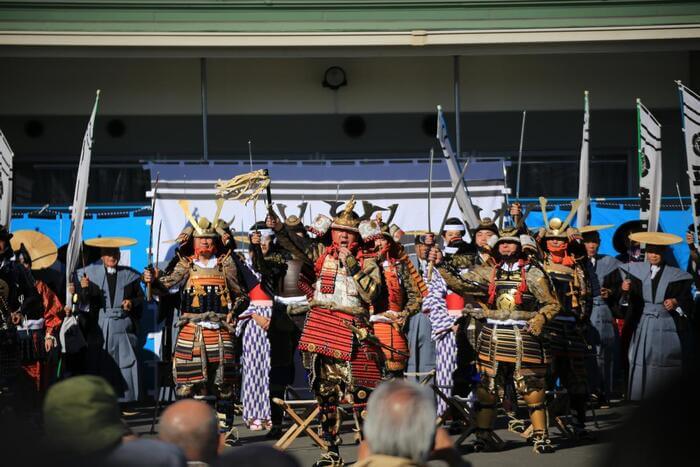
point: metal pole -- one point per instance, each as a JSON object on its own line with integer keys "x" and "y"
{"x": 203, "y": 86}
{"x": 430, "y": 188}
{"x": 458, "y": 128}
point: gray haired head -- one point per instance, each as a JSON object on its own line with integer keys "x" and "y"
{"x": 401, "y": 420}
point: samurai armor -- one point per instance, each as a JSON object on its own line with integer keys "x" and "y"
{"x": 205, "y": 291}
{"x": 366, "y": 366}
{"x": 565, "y": 340}
{"x": 31, "y": 345}
{"x": 9, "y": 355}
{"x": 506, "y": 343}
{"x": 326, "y": 333}
{"x": 390, "y": 335}
{"x": 196, "y": 347}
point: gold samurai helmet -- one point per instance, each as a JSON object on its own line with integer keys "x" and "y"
{"x": 203, "y": 228}
{"x": 348, "y": 219}
{"x": 555, "y": 227}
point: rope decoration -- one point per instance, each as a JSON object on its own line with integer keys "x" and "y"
{"x": 244, "y": 187}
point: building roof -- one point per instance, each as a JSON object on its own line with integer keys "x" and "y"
{"x": 315, "y": 22}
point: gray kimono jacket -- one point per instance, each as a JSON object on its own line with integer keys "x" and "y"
{"x": 114, "y": 347}
{"x": 658, "y": 349}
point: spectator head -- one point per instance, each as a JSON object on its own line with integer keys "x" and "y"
{"x": 401, "y": 421}
{"x": 143, "y": 452}
{"x": 81, "y": 415}
{"x": 255, "y": 455}
{"x": 193, "y": 427}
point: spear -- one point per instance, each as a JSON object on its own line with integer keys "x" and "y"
{"x": 149, "y": 290}
{"x": 250, "y": 158}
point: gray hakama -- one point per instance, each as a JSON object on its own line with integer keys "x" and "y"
{"x": 603, "y": 335}
{"x": 117, "y": 360}
{"x": 421, "y": 347}
{"x": 656, "y": 351}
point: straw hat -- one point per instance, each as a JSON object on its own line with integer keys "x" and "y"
{"x": 110, "y": 242}
{"x": 655, "y": 238}
{"x": 41, "y": 249}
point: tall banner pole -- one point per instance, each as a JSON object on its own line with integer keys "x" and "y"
{"x": 649, "y": 154}
{"x": 80, "y": 199}
{"x": 583, "y": 170}
{"x": 690, "y": 113}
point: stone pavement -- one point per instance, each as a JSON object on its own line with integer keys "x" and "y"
{"x": 516, "y": 452}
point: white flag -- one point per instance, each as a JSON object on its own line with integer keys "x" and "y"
{"x": 79, "y": 200}
{"x": 583, "y": 195}
{"x": 690, "y": 108}
{"x": 649, "y": 140}
{"x": 6, "y": 156}
{"x": 462, "y": 196}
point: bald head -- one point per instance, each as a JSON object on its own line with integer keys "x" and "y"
{"x": 401, "y": 420}
{"x": 192, "y": 426}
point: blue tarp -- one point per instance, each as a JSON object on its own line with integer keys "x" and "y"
{"x": 674, "y": 221}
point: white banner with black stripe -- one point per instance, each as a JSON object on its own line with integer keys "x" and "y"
{"x": 6, "y": 156}
{"x": 82, "y": 182}
{"x": 319, "y": 185}
{"x": 649, "y": 152}
{"x": 583, "y": 183}
{"x": 690, "y": 108}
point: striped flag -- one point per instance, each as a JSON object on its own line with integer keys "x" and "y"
{"x": 6, "y": 156}
{"x": 690, "y": 108}
{"x": 79, "y": 199}
{"x": 649, "y": 152}
{"x": 462, "y": 196}
{"x": 583, "y": 194}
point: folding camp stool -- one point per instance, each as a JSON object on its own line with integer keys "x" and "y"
{"x": 301, "y": 423}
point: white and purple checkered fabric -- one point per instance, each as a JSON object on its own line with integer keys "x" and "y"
{"x": 445, "y": 343}
{"x": 255, "y": 367}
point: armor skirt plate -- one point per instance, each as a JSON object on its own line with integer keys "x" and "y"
{"x": 389, "y": 335}
{"x": 509, "y": 344}
{"x": 565, "y": 340}
{"x": 197, "y": 347}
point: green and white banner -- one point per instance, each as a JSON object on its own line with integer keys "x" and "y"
{"x": 690, "y": 108}
{"x": 649, "y": 152}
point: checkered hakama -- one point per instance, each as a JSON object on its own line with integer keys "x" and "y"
{"x": 441, "y": 322}
{"x": 255, "y": 366}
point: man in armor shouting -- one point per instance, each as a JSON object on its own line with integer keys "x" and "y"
{"x": 343, "y": 364}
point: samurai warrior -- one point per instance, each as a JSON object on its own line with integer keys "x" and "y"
{"x": 400, "y": 297}
{"x": 212, "y": 296}
{"x": 19, "y": 302}
{"x": 565, "y": 263}
{"x": 344, "y": 363}
{"x": 518, "y": 301}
